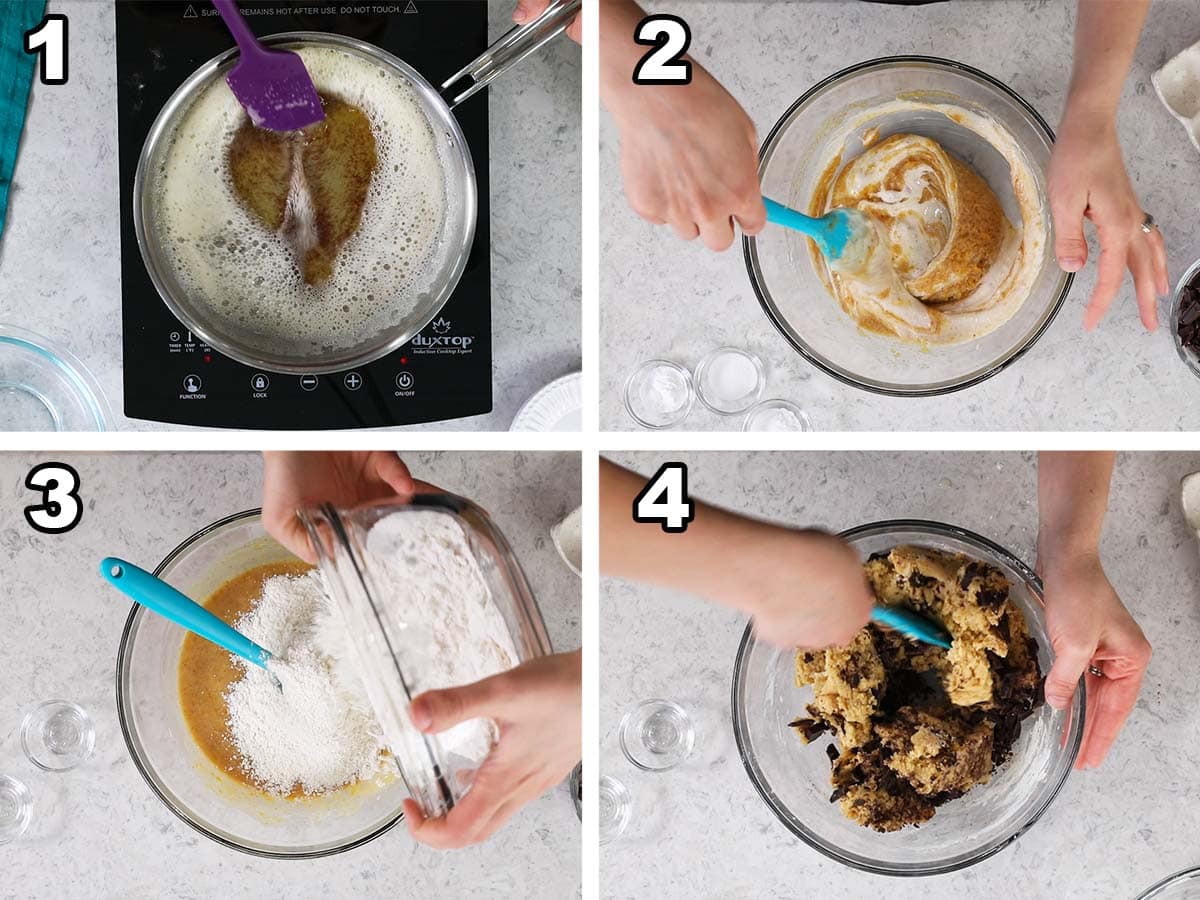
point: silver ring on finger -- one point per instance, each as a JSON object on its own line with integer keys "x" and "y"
{"x": 1148, "y": 224}
{"x": 1096, "y": 671}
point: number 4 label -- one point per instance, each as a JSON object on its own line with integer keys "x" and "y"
{"x": 664, "y": 500}
{"x": 670, "y": 37}
{"x": 49, "y": 40}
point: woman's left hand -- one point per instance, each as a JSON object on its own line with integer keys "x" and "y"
{"x": 1090, "y": 627}
{"x": 1087, "y": 179}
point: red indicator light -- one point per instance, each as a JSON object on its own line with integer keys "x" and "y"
{"x": 207, "y": 358}
{"x": 404, "y": 360}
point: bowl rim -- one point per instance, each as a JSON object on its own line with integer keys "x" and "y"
{"x": 750, "y": 246}
{"x": 144, "y": 768}
{"x": 856, "y": 862}
{"x": 1189, "y": 874}
{"x": 1190, "y": 274}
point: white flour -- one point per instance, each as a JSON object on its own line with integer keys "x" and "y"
{"x": 316, "y": 733}
{"x": 447, "y": 630}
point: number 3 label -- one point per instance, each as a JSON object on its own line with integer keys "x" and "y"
{"x": 664, "y": 500}
{"x": 670, "y": 37}
{"x": 60, "y": 509}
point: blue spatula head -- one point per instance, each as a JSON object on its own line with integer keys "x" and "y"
{"x": 911, "y": 625}
{"x": 275, "y": 89}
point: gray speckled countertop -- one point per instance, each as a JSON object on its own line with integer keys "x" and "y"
{"x": 98, "y": 832}
{"x": 706, "y": 833}
{"x": 60, "y": 254}
{"x": 662, "y": 297}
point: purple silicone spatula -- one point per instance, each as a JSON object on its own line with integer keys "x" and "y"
{"x": 272, "y": 85}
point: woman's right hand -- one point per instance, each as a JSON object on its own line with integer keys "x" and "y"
{"x": 805, "y": 589}
{"x": 689, "y": 155}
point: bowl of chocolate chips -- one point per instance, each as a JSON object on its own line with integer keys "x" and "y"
{"x": 1185, "y": 318}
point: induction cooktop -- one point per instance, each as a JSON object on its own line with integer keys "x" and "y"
{"x": 170, "y": 375}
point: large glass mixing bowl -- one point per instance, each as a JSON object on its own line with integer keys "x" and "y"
{"x": 793, "y": 779}
{"x": 796, "y": 154}
{"x": 176, "y": 769}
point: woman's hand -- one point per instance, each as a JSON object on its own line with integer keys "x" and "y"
{"x": 528, "y": 10}
{"x": 689, "y": 158}
{"x": 688, "y": 151}
{"x": 537, "y": 707}
{"x": 1087, "y": 179}
{"x": 294, "y": 480}
{"x": 1089, "y": 626}
{"x": 805, "y": 589}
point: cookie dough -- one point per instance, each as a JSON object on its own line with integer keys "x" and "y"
{"x": 947, "y": 265}
{"x": 916, "y": 725}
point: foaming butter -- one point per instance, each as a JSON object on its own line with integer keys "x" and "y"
{"x": 225, "y": 255}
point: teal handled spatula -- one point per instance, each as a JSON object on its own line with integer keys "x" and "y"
{"x": 844, "y": 236}
{"x": 151, "y": 592}
{"x": 911, "y": 625}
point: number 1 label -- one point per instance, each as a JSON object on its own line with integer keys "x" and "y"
{"x": 48, "y": 39}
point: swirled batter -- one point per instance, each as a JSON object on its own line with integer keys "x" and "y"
{"x": 946, "y": 266}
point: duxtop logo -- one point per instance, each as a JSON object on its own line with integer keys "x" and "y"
{"x": 442, "y": 341}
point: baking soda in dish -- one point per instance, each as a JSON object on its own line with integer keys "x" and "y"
{"x": 452, "y": 632}
{"x": 318, "y": 734}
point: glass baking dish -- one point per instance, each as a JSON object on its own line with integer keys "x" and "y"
{"x": 394, "y": 653}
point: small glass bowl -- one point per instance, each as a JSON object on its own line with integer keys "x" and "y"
{"x": 667, "y": 375}
{"x": 657, "y": 735}
{"x": 1189, "y": 357}
{"x": 57, "y": 735}
{"x": 615, "y": 808}
{"x": 44, "y": 387}
{"x": 793, "y": 779}
{"x": 777, "y": 416}
{"x": 16, "y": 808}
{"x": 1183, "y": 885}
{"x": 729, "y": 400}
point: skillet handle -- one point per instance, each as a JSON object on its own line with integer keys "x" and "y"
{"x": 512, "y": 47}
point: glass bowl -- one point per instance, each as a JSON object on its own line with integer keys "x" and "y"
{"x": 44, "y": 387}
{"x": 1189, "y": 358}
{"x": 659, "y": 394}
{"x": 799, "y": 149}
{"x": 793, "y": 779}
{"x": 176, "y": 769}
{"x": 777, "y": 416}
{"x": 1183, "y": 885}
{"x": 714, "y": 387}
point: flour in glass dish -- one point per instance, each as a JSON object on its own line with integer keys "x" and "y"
{"x": 452, "y": 630}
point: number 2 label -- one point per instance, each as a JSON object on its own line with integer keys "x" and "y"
{"x": 49, "y": 40}
{"x": 670, "y": 37}
{"x": 664, "y": 500}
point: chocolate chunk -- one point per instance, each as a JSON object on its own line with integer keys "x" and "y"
{"x": 832, "y": 752}
{"x": 809, "y": 729}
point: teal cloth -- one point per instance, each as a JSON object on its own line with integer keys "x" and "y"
{"x": 16, "y": 77}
